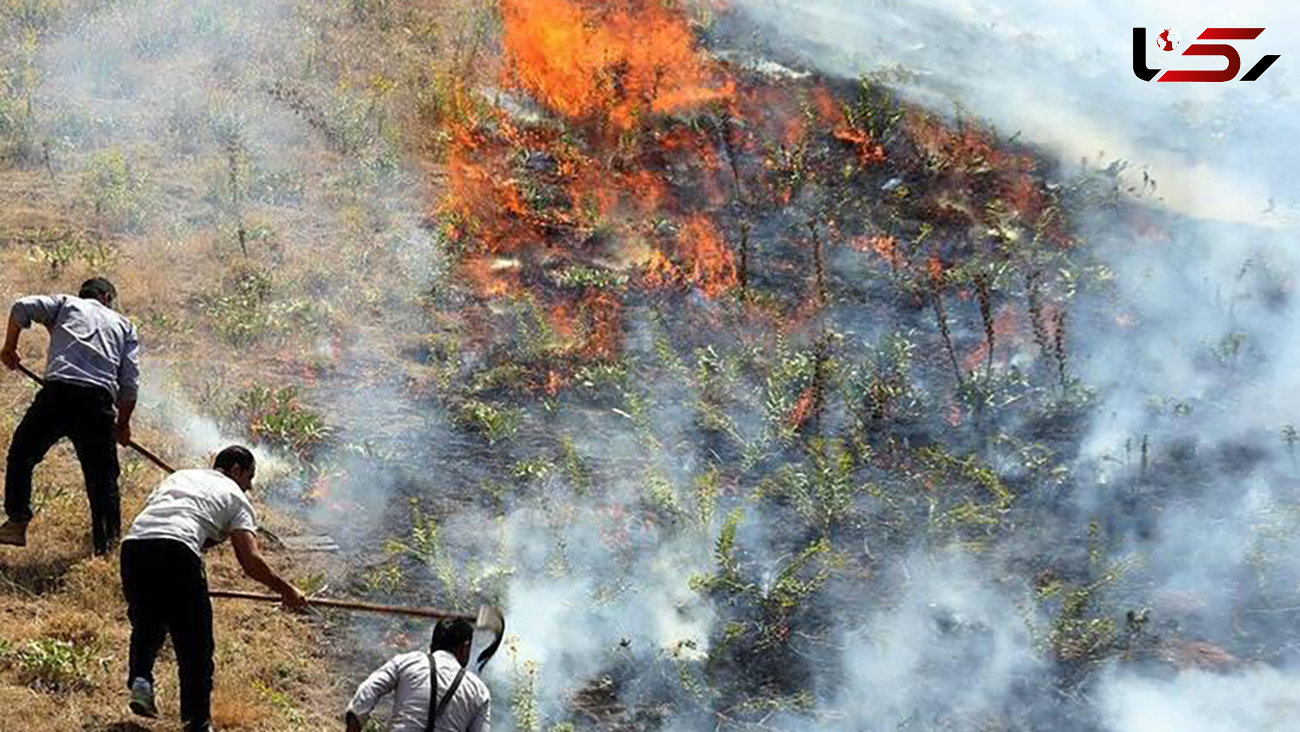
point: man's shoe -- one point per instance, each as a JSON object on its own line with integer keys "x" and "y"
{"x": 142, "y": 702}
{"x": 13, "y": 533}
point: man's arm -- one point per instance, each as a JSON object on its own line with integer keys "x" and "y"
{"x": 482, "y": 721}
{"x": 379, "y": 684}
{"x": 128, "y": 386}
{"x": 9, "y": 353}
{"x": 42, "y": 309}
{"x": 250, "y": 559}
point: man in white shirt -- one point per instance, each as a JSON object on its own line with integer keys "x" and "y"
{"x": 165, "y": 585}
{"x": 464, "y": 703}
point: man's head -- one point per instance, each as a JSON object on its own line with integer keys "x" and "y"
{"x": 238, "y": 463}
{"x": 455, "y": 636}
{"x": 98, "y": 288}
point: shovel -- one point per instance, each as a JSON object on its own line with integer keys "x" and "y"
{"x": 489, "y": 617}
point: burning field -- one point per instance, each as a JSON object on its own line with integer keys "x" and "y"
{"x": 764, "y": 394}
{"x": 781, "y": 392}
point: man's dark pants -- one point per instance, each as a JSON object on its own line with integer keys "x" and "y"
{"x": 85, "y": 415}
{"x": 167, "y": 594}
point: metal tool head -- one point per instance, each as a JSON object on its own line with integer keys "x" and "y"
{"x": 490, "y": 618}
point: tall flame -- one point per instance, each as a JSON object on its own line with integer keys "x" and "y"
{"x": 614, "y": 60}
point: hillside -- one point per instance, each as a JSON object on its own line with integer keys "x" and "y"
{"x": 759, "y": 398}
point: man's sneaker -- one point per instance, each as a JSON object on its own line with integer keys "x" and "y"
{"x": 13, "y": 533}
{"x": 205, "y": 727}
{"x": 142, "y": 703}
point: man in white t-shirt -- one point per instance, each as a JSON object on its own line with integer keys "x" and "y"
{"x": 463, "y": 703}
{"x": 165, "y": 585}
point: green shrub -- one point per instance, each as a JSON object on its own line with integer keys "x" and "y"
{"x": 244, "y": 312}
{"x": 35, "y": 16}
{"x": 276, "y": 416}
{"x": 493, "y": 423}
{"x": 52, "y": 665}
{"x": 822, "y": 491}
{"x": 118, "y": 188}
{"x": 59, "y": 250}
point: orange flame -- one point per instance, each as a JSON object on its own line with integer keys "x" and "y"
{"x": 869, "y": 151}
{"x": 660, "y": 271}
{"x": 604, "y": 314}
{"x": 1006, "y": 329}
{"x": 711, "y": 264}
{"x": 884, "y": 246}
{"x": 802, "y": 409}
{"x": 934, "y": 266}
{"x": 616, "y": 60}
{"x": 484, "y": 195}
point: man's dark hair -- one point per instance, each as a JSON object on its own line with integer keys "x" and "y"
{"x": 451, "y": 634}
{"x": 98, "y": 288}
{"x": 234, "y": 456}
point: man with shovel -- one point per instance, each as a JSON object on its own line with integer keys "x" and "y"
{"x": 91, "y": 379}
{"x": 165, "y": 584}
{"x": 432, "y": 692}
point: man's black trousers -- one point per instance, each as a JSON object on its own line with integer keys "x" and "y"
{"x": 167, "y": 594}
{"x": 85, "y": 415}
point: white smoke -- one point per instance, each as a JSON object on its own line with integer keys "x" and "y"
{"x": 1253, "y": 700}
{"x": 951, "y": 621}
{"x": 1204, "y": 358}
{"x": 164, "y": 404}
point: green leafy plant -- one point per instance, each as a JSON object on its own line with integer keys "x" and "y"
{"x": 523, "y": 691}
{"x": 52, "y": 665}
{"x": 493, "y": 423}
{"x": 279, "y": 418}
{"x": 578, "y": 277}
{"x": 726, "y": 575}
{"x": 59, "y": 250}
{"x": 119, "y": 188}
{"x": 527, "y": 471}
{"x": 386, "y": 579}
{"x": 823, "y": 490}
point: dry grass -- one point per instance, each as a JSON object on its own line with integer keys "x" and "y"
{"x": 272, "y": 669}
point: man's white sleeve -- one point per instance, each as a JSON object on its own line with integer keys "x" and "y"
{"x": 381, "y": 683}
{"x": 483, "y": 720}
{"x": 240, "y": 515}
{"x": 128, "y": 369}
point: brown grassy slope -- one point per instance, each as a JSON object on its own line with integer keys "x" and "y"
{"x": 272, "y": 668}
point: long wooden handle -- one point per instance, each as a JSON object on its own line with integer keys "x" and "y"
{"x": 148, "y": 455}
{"x": 419, "y": 612}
